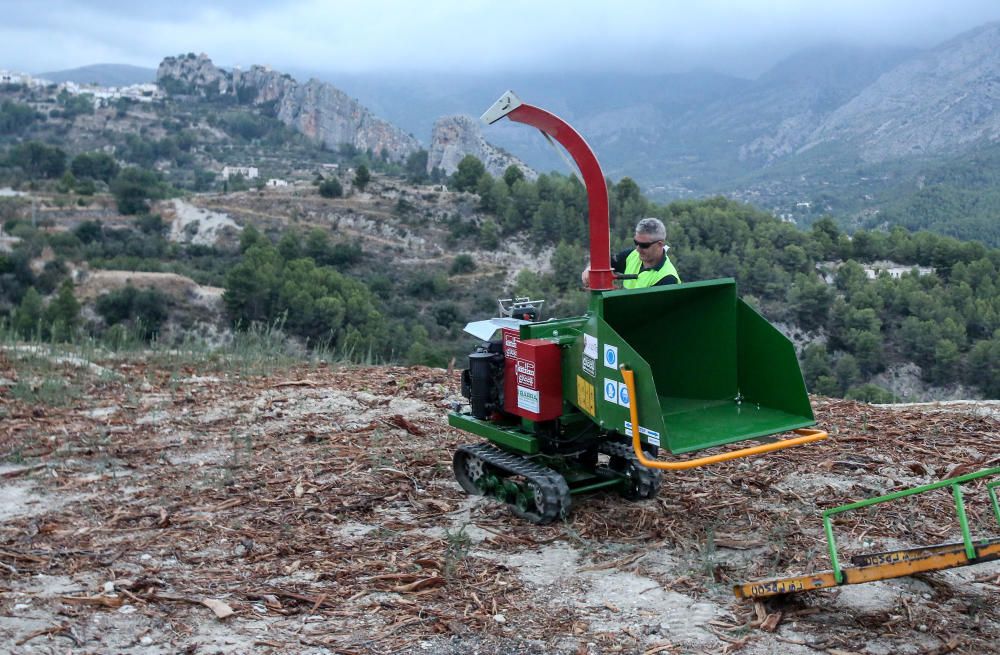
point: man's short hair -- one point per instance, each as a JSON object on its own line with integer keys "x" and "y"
{"x": 652, "y": 227}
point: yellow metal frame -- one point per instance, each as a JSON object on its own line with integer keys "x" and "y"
{"x": 895, "y": 563}
{"x": 882, "y": 566}
{"x": 807, "y": 436}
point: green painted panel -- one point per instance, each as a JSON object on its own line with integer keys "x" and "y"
{"x": 610, "y": 386}
{"x": 718, "y": 372}
{"x": 687, "y": 333}
{"x": 563, "y": 331}
{"x": 572, "y": 368}
{"x": 694, "y": 426}
{"x": 769, "y": 371}
{"x": 511, "y": 439}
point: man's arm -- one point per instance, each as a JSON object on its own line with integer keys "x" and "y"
{"x": 617, "y": 265}
{"x": 618, "y": 260}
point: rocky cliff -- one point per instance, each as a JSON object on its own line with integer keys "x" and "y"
{"x": 317, "y": 109}
{"x": 188, "y": 74}
{"x": 454, "y": 137}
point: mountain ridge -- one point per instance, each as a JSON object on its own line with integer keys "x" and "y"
{"x": 688, "y": 135}
{"x": 937, "y": 101}
{"x": 104, "y": 74}
{"x": 831, "y": 129}
{"x": 317, "y": 109}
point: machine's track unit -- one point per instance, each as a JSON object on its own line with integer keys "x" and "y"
{"x": 533, "y": 492}
{"x": 641, "y": 483}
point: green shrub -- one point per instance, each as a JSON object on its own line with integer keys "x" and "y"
{"x": 361, "y": 177}
{"x": 331, "y": 188}
{"x": 95, "y": 166}
{"x": 468, "y": 173}
{"x": 462, "y": 263}
{"x": 15, "y": 117}
{"x": 134, "y": 187}
{"x": 143, "y": 310}
{"x": 870, "y": 393}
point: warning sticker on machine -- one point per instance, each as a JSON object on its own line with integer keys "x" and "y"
{"x": 585, "y": 396}
{"x": 611, "y": 356}
{"x": 622, "y": 394}
{"x": 526, "y": 374}
{"x": 590, "y": 345}
{"x": 652, "y": 436}
{"x": 590, "y": 366}
{"x": 528, "y": 399}
{"x": 616, "y": 392}
{"x": 510, "y": 345}
{"x": 610, "y": 390}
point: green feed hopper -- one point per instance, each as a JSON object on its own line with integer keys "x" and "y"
{"x": 709, "y": 369}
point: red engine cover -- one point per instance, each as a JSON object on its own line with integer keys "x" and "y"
{"x": 532, "y": 375}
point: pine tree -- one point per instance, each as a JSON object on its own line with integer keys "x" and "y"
{"x": 28, "y": 316}
{"x": 63, "y": 314}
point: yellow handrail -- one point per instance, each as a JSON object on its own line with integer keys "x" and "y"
{"x": 808, "y": 436}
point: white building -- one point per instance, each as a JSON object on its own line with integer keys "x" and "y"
{"x": 828, "y": 270}
{"x": 276, "y": 182}
{"x": 138, "y": 92}
{"x": 141, "y": 92}
{"x": 6, "y": 241}
{"x": 9, "y": 77}
{"x": 894, "y": 270}
{"x": 249, "y": 172}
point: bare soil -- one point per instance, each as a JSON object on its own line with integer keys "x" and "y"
{"x": 313, "y": 510}
{"x": 177, "y": 287}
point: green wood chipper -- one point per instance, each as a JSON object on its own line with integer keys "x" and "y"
{"x": 572, "y": 405}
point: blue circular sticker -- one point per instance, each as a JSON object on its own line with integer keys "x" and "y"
{"x": 623, "y": 395}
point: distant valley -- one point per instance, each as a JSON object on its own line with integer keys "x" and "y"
{"x": 276, "y": 203}
{"x": 829, "y": 131}
{"x": 852, "y": 133}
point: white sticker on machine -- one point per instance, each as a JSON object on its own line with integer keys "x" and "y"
{"x": 610, "y": 390}
{"x": 590, "y": 346}
{"x": 528, "y": 399}
{"x": 623, "y": 394}
{"x": 652, "y": 436}
{"x": 611, "y": 356}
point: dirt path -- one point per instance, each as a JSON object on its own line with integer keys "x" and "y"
{"x": 176, "y": 509}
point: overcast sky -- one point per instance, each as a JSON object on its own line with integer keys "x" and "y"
{"x": 644, "y": 36}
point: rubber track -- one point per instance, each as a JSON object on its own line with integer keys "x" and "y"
{"x": 555, "y": 492}
{"x": 649, "y": 480}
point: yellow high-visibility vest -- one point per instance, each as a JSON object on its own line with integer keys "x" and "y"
{"x": 647, "y": 278}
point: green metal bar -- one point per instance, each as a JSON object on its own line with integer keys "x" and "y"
{"x": 959, "y": 506}
{"x": 992, "y": 489}
{"x": 963, "y": 521}
{"x": 511, "y": 439}
{"x": 832, "y": 544}
{"x": 914, "y": 491}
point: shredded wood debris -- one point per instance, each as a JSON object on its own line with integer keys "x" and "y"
{"x": 315, "y": 508}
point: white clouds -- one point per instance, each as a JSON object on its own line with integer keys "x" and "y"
{"x": 467, "y": 35}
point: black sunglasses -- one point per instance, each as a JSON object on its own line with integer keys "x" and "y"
{"x": 645, "y": 245}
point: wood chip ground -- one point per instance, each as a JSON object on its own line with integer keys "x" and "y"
{"x": 167, "y": 509}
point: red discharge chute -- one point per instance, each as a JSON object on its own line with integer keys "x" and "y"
{"x": 601, "y": 276}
